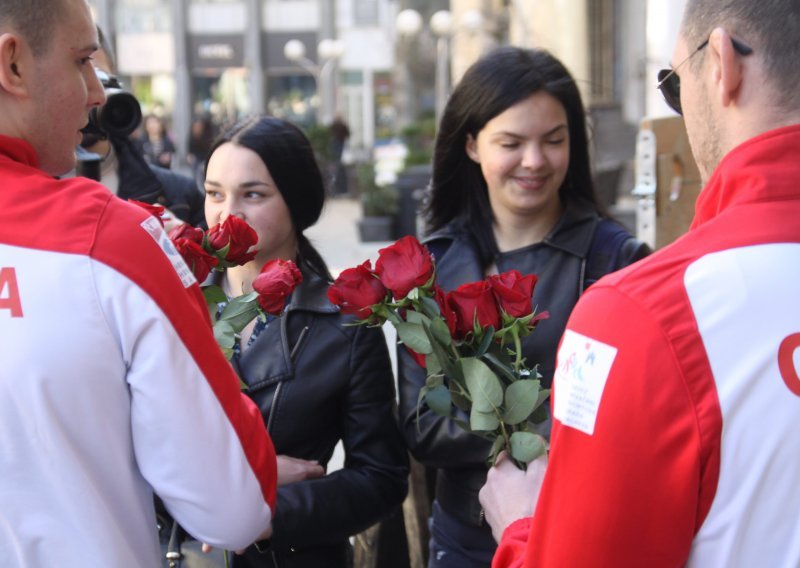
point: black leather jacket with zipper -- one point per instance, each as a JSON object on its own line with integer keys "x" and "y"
{"x": 317, "y": 381}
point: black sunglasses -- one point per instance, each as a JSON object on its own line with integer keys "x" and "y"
{"x": 669, "y": 83}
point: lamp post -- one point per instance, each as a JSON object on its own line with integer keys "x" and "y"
{"x": 329, "y": 51}
{"x": 409, "y": 23}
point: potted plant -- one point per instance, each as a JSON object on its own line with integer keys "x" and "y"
{"x": 379, "y": 205}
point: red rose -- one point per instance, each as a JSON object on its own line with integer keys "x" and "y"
{"x": 155, "y": 210}
{"x": 196, "y": 257}
{"x": 278, "y": 279}
{"x": 418, "y": 357}
{"x": 186, "y": 231}
{"x": 513, "y": 292}
{"x": 237, "y": 236}
{"x": 471, "y": 302}
{"x": 403, "y": 266}
{"x": 449, "y": 316}
{"x": 356, "y": 290}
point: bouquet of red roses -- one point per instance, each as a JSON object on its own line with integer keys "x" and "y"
{"x": 224, "y": 245}
{"x": 468, "y": 340}
{"x": 228, "y": 244}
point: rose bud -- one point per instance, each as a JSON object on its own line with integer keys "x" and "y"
{"x": 404, "y": 266}
{"x": 186, "y": 231}
{"x": 356, "y": 290}
{"x": 513, "y": 292}
{"x": 473, "y": 302}
{"x": 278, "y": 279}
{"x": 155, "y": 210}
{"x": 238, "y": 236}
{"x": 196, "y": 258}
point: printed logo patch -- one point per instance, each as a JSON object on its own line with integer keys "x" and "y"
{"x": 583, "y": 367}
{"x": 155, "y": 230}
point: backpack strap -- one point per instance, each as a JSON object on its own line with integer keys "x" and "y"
{"x": 612, "y": 248}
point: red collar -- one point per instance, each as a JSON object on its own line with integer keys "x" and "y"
{"x": 764, "y": 168}
{"x": 18, "y": 150}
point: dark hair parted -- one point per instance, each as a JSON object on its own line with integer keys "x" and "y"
{"x": 289, "y": 157}
{"x": 497, "y": 81}
{"x": 34, "y": 20}
{"x": 770, "y": 27}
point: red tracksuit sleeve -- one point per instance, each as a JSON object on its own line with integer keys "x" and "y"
{"x": 628, "y": 493}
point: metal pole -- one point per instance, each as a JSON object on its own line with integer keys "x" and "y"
{"x": 327, "y": 84}
{"x": 253, "y": 59}
{"x": 181, "y": 117}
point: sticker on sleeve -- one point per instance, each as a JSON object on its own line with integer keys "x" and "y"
{"x": 583, "y": 367}
{"x": 155, "y": 230}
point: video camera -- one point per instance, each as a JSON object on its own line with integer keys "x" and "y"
{"x": 121, "y": 113}
{"x": 118, "y": 117}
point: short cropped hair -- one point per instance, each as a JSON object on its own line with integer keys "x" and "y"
{"x": 34, "y": 20}
{"x": 770, "y": 27}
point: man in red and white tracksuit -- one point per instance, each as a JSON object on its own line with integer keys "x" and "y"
{"x": 112, "y": 387}
{"x": 677, "y": 395}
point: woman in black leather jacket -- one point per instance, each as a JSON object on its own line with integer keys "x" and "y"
{"x": 316, "y": 380}
{"x": 511, "y": 189}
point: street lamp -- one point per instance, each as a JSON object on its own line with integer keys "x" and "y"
{"x": 409, "y": 23}
{"x": 329, "y": 51}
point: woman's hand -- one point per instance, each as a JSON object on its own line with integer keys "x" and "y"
{"x": 292, "y": 469}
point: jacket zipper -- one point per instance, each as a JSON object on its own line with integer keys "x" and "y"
{"x": 303, "y": 333}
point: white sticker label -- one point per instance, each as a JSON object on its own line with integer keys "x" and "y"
{"x": 154, "y": 228}
{"x": 583, "y": 367}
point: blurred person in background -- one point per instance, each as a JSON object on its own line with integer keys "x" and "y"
{"x": 156, "y": 144}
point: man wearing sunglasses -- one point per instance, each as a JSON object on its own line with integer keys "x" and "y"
{"x": 677, "y": 390}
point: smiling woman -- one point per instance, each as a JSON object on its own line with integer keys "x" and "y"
{"x": 512, "y": 190}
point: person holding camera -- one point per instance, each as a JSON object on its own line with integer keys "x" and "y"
{"x": 112, "y": 386}
{"x": 123, "y": 168}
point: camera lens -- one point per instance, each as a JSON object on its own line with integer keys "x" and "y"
{"x": 120, "y": 115}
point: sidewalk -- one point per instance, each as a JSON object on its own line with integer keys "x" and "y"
{"x": 335, "y": 235}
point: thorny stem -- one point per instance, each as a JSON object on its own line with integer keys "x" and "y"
{"x": 518, "y": 351}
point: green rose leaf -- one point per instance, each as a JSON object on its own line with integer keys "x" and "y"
{"x": 520, "y": 400}
{"x": 460, "y": 399}
{"x": 240, "y": 311}
{"x": 415, "y": 317}
{"x": 483, "y": 385}
{"x": 432, "y": 365}
{"x": 413, "y": 335}
{"x": 497, "y": 445}
{"x": 483, "y": 421}
{"x": 429, "y": 307}
{"x": 438, "y": 400}
{"x": 526, "y": 446}
{"x": 441, "y": 332}
{"x": 224, "y": 334}
{"x": 448, "y": 365}
{"x": 214, "y": 294}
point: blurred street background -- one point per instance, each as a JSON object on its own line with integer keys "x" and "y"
{"x": 367, "y": 80}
